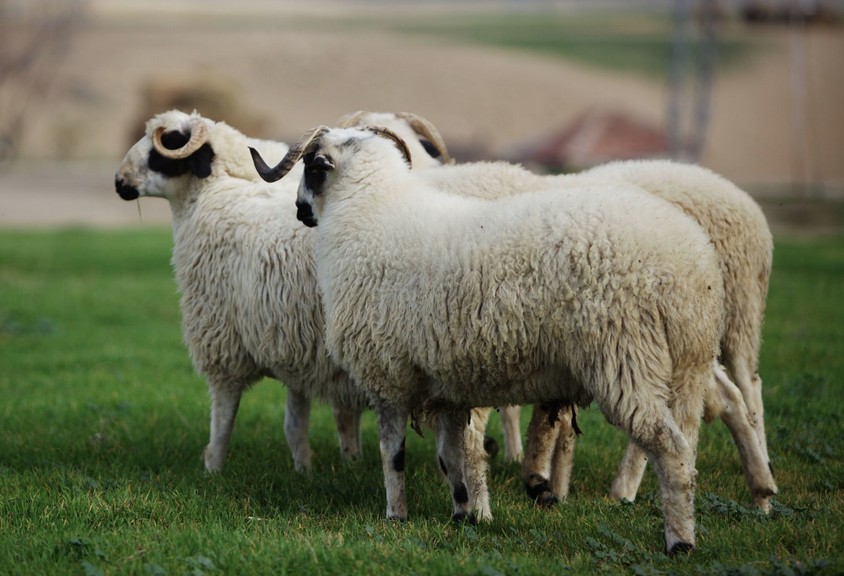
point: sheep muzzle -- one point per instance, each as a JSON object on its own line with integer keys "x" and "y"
{"x": 124, "y": 190}
{"x": 305, "y": 214}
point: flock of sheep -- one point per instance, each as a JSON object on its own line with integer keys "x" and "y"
{"x": 430, "y": 291}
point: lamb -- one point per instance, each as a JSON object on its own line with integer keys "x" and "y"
{"x": 448, "y": 301}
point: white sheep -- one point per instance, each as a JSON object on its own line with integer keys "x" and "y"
{"x": 743, "y": 242}
{"x": 449, "y": 301}
{"x": 416, "y": 131}
{"x": 742, "y": 239}
{"x": 249, "y": 306}
{"x": 244, "y": 268}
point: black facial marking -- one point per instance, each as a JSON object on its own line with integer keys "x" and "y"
{"x": 398, "y": 459}
{"x": 305, "y": 214}
{"x": 443, "y": 468}
{"x": 430, "y": 148}
{"x": 316, "y": 168}
{"x": 461, "y": 495}
{"x": 124, "y": 190}
{"x": 198, "y": 163}
{"x": 166, "y": 166}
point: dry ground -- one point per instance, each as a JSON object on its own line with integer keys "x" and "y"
{"x": 297, "y": 76}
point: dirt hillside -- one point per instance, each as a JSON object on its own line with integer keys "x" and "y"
{"x": 294, "y": 77}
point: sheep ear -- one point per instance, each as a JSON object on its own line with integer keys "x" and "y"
{"x": 200, "y": 161}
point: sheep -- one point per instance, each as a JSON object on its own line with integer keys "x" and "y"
{"x": 743, "y": 242}
{"x": 448, "y": 301}
{"x": 246, "y": 278}
{"x": 417, "y": 131}
{"x": 244, "y": 269}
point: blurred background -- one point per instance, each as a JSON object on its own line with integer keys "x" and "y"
{"x": 752, "y": 89}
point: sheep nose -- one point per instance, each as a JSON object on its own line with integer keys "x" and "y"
{"x": 125, "y": 191}
{"x": 305, "y": 214}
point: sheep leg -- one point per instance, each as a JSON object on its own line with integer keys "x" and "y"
{"x": 297, "y": 416}
{"x": 477, "y": 464}
{"x": 669, "y": 437}
{"x": 673, "y": 459}
{"x": 392, "y": 425}
{"x": 452, "y": 454}
{"x": 347, "y": 420}
{"x": 563, "y": 460}
{"x": 225, "y": 400}
{"x": 625, "y": 485}
{"x": 759, "y": 410}
{"x": 750, "y": 385}
{"x": 511, "y": 430}
{"x": 730, "y": 406}
{"x": 542, "y": 435}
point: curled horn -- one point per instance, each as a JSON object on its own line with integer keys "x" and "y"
{"x": 352, "y": 119}
{"x": 299, "y": 149}
{"x": 198, "y": 136}
{"x": 390, "y": 135}
{"x": 425, "y": 128}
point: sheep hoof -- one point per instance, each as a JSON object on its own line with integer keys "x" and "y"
{"x": 547, "y": 500}
{"x": 539, "y": 490}
{"x": 490, "y": 446}
{"x": 681, "y": 548}
{"x": 461, "y": 517}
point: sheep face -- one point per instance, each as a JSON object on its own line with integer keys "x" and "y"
{"x": 146, "y": 171}
{"x": 335, "y": 153}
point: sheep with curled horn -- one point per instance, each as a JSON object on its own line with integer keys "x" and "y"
{"x": 606, "y": 294}
{"x": 477, "y": 444}
{"x": 244, "y": 270}
{"x": 428, "y": 150}
{"x": 743, "y": 241}
{"x": 245, "y": 275}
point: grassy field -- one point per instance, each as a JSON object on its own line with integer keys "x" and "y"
{"x": 103, "y": 421}
{"x": 636, "y": 41}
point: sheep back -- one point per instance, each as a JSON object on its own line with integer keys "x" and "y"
{"x": 738, "y": 230}
{"x": 612, "y": 287}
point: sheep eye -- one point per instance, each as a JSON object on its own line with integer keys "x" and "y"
{"x": 430, "y": 148}
{"x": 319, "y": 163}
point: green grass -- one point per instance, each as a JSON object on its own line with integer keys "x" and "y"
{"x": 102, "y": 423}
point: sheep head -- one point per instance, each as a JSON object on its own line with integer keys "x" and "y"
{"x": 175, "y": 144}
{"x": 429, "y": 138}
{"x": 312, "y": 148}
